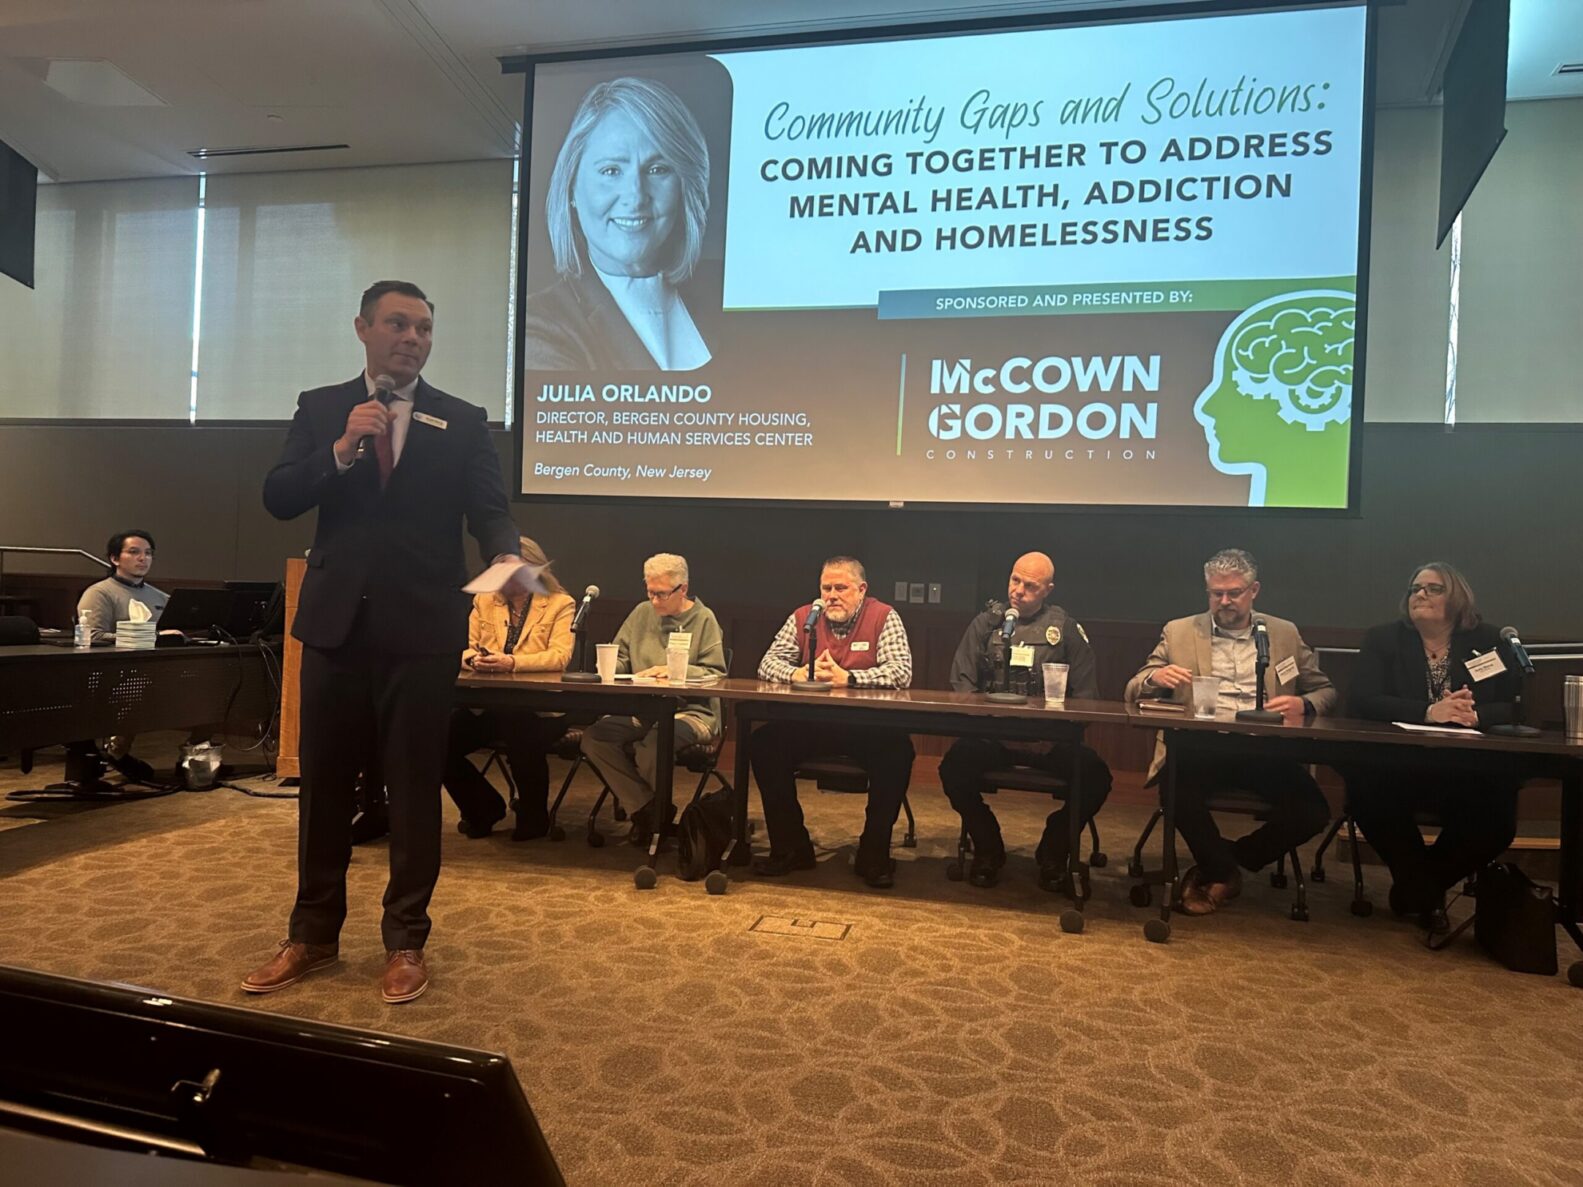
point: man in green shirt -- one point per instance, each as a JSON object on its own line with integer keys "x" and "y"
{"x": 625, "y": 750}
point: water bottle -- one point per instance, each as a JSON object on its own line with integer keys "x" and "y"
{"x": 80, "y": 635}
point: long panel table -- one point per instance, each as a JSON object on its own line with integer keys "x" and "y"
{"x": 1324, "y": 740}
{"x": 1338, "y": 741}
{"x": 546, "y": 692}
{"x": 52, "y": 695}
{"x": 923, "y": 711}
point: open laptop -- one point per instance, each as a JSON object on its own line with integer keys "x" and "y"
{"x": 196, "y": 613}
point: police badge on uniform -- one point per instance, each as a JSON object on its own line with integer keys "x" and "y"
{"x": 1052, "y": 636}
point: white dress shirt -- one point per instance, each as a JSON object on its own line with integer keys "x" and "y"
{"x": 660, "y": 319}
{"x": 1234, "y": 658}
{"x": 400, "y": 408}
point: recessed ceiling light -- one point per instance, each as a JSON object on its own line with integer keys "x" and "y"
{"x": 98, "y": 83}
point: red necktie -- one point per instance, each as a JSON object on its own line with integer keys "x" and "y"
{"x": 385, "y": 454}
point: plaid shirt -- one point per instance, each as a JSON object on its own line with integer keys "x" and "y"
{"x": 892, "y": 662}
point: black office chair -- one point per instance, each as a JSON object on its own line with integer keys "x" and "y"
{"x": 701, "y": 758}
{"x": 1020, "y": 777}
{"x": 1242, "y": 803}
{"x": 842, "y": 774}
{"x": 1361, "y": 905}
{"x": 568, "y": 747}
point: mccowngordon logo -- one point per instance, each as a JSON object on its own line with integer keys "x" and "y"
{"x": 1045, "y": 421}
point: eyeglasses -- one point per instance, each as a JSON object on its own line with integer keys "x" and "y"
{"x": 1227, "y": 595}
{"x": 1433, "y": 588}
{"x": 659, "y": 595}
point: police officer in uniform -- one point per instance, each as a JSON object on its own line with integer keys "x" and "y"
{"x": 988, "y": 660}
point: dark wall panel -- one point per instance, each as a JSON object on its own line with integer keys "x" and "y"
{"x": 1504, "y": 503}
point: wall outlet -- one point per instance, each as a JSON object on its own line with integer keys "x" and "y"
{"x": 934, "y": 593}
{"x": 915, "y": 592}
{"x": 901, "y": 592}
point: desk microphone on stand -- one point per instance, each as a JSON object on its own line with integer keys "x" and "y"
{"x": 581, "y": 675}
{"x": 1261, "y": 664}
{"x": 1519, "y": 728}
{"x": 810, "y": 684}
{"x": 1005, "y": 696}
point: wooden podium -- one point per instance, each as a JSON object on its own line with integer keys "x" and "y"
{"x": 287, "y": 760}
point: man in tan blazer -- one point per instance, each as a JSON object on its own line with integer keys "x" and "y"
{"x": 1220, "y": 643}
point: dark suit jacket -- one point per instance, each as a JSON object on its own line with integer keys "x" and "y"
{"x": 576, "y": 325}
{"x": 1390, "y": 682}
{"x": 400, "y": 549}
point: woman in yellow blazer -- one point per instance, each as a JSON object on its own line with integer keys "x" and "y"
{"x": 511, "y": 632}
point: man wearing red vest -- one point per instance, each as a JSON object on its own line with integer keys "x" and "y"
{"x": 858, "y": 642}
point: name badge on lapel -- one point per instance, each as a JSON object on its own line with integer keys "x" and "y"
{"x": 859, "y": 645}
{"x": 423, "y": 418}
{"x": 1286, "y": 670}
{"x": 1482, "y": 667}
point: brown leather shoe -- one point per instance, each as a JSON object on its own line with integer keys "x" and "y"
{"x": 1221, "y": 893}
{"x": 1195, "y": 898}
{"x": 405, "y": 976}
{"x": 291, "y": 964}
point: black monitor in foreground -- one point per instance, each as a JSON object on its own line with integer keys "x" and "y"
{"x": 115, "y": 1065}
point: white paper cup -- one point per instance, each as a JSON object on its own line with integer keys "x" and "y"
{"x": 1206, "y": 695}
{"x": 676, "y": 665}
{"x": 1055, "y": 681}
{"x": 605, "y": 661}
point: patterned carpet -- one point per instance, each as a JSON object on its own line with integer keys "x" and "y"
{"x": 934, "y": 1034}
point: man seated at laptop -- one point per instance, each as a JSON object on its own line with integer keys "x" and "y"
{"x": 107, "y": 602}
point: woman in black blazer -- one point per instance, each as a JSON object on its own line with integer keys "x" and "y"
{"x": 1416, "y": 669}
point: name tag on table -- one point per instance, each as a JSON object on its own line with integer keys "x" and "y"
{"x": 679, "y": 641}
{"x": 1022, "y": 655}
{"x": 1482, "y": 667}
{"x": 423, "y": 418}
{"x": 1286, "y": 670}
{"x": 859, "y": 645}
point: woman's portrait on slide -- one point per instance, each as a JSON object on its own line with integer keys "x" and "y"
{"x": 625, "y": 212}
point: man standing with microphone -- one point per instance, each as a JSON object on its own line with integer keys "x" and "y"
{"x": 383, "y": 619}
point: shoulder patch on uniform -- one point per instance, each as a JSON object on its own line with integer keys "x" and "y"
{"x": 1078, "y": 627}
{"x": 1052, "y": 636}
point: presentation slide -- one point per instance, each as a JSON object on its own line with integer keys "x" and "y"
{"x": 1081, "y": 265}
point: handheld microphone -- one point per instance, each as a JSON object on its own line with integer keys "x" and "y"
{"x": 1009, "y": 623}
{"x": 1520, "y": 653}
{"x": 384, "y": 392}
{"x": 589, "y": 595}
{"x": 1261, "y": 642}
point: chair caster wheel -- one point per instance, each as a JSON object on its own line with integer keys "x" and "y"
{"x": 1134, "y": 868}
{"x": 1317, "y": 874}
{"x": 1575, "y": 974}
{"x": 1157, "y": 931}
{"x": 1140, "y": 896}
{"x": 1362, "y": 908}
{"x": 1300, "y": 914}
{"x": 1072, "y": 921}
{"x": 557, "y": 833}
{"x": 715, "y": 882}
{"x": 1098, "y": 860}
{"x": 953, "y": 871}
{"x": 645, "y": 878}
{"x": 909, "y": 842}
{"x": 1278, "y": 881}
{"x": 596, "y": 840}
